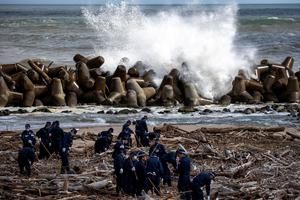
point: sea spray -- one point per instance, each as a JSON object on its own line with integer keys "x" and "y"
{"x": 203, "y": 38}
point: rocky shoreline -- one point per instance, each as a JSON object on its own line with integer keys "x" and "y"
{"x": 35, "y": 84}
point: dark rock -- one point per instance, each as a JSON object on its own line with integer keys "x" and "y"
{"x": 110, "y": 112}
{"x": 44, "y": 109}
{"x": 187, "y": 109}
{"x": 248, "y": 111}
{"x": 20, "y": 111}
{"x": 126, "y": 111}
{"x": 148, "y": 110}
{"x": 226, "y": 110}
{"x": 206, "y": 111}
{"x": 101, "y": 112}
{"x": 4, "y": 112}
{"x": 164, "y": 111}
{"x": 266, "y": 109}
{"x": 66, "y": 111}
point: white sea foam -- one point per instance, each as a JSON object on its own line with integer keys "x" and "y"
{"x": 204, "y": 39}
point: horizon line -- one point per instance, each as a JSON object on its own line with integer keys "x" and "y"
{"x": 80, "y": 4}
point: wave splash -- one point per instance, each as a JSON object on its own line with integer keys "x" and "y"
{"x": 204, "y": 39}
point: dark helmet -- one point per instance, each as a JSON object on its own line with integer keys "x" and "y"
{"x": 48, "y": 124}
{"x": 152, "y": 136}
{"x": 145, "y": 117}
{"x": 212, "y": 175}
{"x": 140, "y": 154}
{"x": 27, "y": 125}
{"x": 111, "y": 130}
{"x": 74, "y": 130}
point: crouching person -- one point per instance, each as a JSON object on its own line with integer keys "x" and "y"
{"x": 202, "y": 179}
{"x": 103, "y": 141}
{"x": 26, "y": 158}
{"x": 67, "y": 142}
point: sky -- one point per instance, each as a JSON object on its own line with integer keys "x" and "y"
{"x": 146, "y": 1}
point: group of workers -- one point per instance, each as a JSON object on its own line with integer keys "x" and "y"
{"x": 136, "y": 171}
{"x": 53, "y": 141}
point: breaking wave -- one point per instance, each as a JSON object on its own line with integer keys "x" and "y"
{"x": 203, "y": 38}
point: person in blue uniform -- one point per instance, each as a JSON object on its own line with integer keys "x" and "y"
{"x": 119, "y": 160}
{"x": 26, "y": 157}
{"x": 141, "y": 130}
{"x": 28, "y": 137}
{"x": 154, "y": 172}
{"x": 160, "y": 151}
{"x": 130, "y": 175}
{"x": 183, "y": 169}
{"x": 56, "y": 137}
{"x": 140, "y": 167}
{"x": 126, "y": 133}
{"x": 118, "y": 147}
{"x": 45, "y": 143}
{"x": 202, "y": 179}
{"x": 66, "y": 143}
{"x": 103, "y": 141}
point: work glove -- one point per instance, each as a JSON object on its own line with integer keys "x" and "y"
{"x": 50, "y": 144}
{"x": 208, "y": 197}
{"x": 29, "y": 141}
{"x": 105, "y": 149}
{"x": 121, "y": 171}
{"x": 63, "y": 150}
{"x": 50, "y": 134}
{"x": 133, "y": 169}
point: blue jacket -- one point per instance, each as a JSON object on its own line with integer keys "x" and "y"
{"x": 26, "y": 154}
{"x": 184, "y": 168}
{"x": 67, "y": 141}
{"x": 43, "y": 133}
{"x": 26, "y": 136}
{"x": 119, "y": 163}
{"x": 171, "y": 158}
{"x": 159, "y": 150}
{"x": 126, "y": 132}
{"x": 140, "y": 170}
{"x": 57, "y": 134}
{"x": 154, "y": 166}
{"x": 203, "y": 179}
{"x": 141, "y": 127}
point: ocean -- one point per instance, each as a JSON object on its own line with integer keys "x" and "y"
{"x": 216, "y": 40}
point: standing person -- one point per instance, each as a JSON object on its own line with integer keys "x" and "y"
{"x": 154, "y": 171}
{"x": 140, "y": 167}
{"x": 119, "y": 168}
{"x": 56, "y": 136}
{"x": 45, "y": 143}
{"x": 141, "y": 130}
{"x": 183, "y": 169}
{"x": 118, "y": 147}
{"x": 160, "y": 151}
{"x": 103, "y": 141}
{"x": 28, "y": 137}
{"x": 26, "y": 157}
{"x": 126, "y": 133}
{"x": 202, "y": 179}
{"x": 130, "y": 176}
{"x": 66, "y": 143}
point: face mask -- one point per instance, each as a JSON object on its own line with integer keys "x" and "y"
{"x": 134, "y": 158}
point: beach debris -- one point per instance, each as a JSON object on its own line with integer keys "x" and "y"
{"x": 249, "y": 162}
